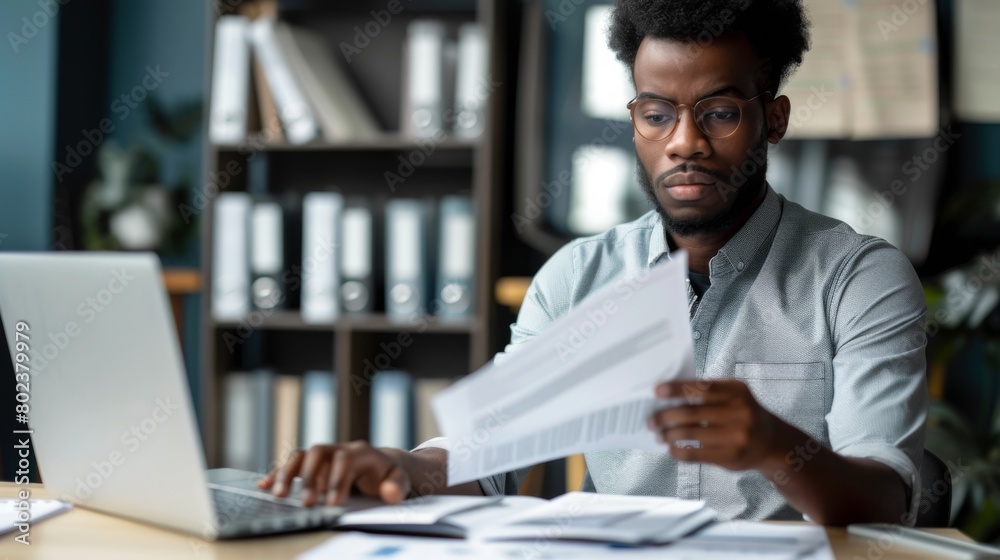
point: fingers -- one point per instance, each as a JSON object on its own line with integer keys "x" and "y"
{"x": 340, "y": 483}
{"x": 267, "y": 481}
{"x": 371, "y": 471}
{"x": 322, "y": 482}
{"x": 707, "y": 437}
{"x": 283, "y": 479}
{"x": 396, "y": 486}
{"x": 701, "y": 391}
{"x": 694, "y": 416}
{"x": 334, "y": 470}
{"x": 312, "y": 465}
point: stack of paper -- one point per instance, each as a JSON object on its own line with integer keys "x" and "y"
{"x": 582, "y": 516}
{"x": 723, "y": 541}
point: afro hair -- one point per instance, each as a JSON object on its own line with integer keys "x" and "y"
{"x": 777, "y": 29}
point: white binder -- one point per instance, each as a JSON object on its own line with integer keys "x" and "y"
{"x": 319, "y": 408}
{"x": 296, "y": 115}
{"x": 357, "y": 288}
{"x": 423, "y": 103}
{"x": 231, "y": 271}
{"x": 406, "y": 222}
{"x": 456, "y": 258}
{"x": 238, "y": 424}
{"x": 340, "y": 110}
{"x": 472, "y": 82}
{"x": 392, "y": 410}
{"x": 267, "y": 257}
{"x": 249, "y": 411}
{"x": 230, "y": 81}
{"x": 321, "y": 215}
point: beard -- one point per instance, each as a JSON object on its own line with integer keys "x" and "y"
{"x": 745, "y": 187}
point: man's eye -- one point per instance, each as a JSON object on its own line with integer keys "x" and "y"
{"x": 657, "y": 119}
{"x": 721, "y": 115}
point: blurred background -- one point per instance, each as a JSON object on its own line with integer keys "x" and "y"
{"x": 201, "y": 129}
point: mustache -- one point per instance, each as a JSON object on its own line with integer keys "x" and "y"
{"x": 690, "y": 168}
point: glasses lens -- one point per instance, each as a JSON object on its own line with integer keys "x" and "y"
{"x": 717, "y": 117}
{"x": 654, "y": 119}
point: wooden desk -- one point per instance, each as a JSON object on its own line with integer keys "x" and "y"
{"x": 82, "y": 534}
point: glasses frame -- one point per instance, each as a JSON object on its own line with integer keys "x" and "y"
{"x": 742, "y": 103}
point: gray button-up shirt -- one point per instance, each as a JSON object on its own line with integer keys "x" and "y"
{"x": 824, "y": 325}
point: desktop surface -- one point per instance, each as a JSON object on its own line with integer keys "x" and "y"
{"x": 84, "y": 534}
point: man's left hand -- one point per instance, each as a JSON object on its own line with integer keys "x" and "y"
{"x": 732, "y": 429}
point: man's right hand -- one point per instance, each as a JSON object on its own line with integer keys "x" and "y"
{"x": 335, "y": 470}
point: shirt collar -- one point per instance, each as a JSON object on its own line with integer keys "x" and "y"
{"x": 658, "y": 248}
{"x": 737, "y": 253}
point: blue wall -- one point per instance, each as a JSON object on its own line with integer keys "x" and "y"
{"x": 27, "y": 111}
{"x": 169, "y": 35}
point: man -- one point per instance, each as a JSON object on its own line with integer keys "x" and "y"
{"x": 809, "y": 346}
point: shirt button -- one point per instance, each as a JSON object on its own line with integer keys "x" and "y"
{"x": 696, "y": 335}
{"x": 739, "y": 265}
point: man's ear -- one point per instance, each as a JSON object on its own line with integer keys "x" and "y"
{"x": 777, "y": 118}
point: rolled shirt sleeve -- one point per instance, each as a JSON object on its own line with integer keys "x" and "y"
{"x": 879, "y": 407}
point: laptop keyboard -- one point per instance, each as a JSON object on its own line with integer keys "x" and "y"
{"x": 235, "y": 505}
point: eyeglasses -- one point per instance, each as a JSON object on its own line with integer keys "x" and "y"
{"x": 718, "y": 117}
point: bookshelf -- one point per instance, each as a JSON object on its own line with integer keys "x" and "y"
{"x": 281, "y": 339}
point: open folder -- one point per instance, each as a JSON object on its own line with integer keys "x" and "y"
{"x": 580, "y": 516}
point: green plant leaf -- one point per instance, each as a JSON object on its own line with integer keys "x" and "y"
{"x": 984, "y": 524}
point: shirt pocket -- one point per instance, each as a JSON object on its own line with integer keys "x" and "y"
{"x": 796, "y": 393}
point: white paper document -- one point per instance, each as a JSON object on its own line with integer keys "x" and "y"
{"x": 588, "y": 516}
{"x": 871, "y": 72}
{"x": 795, "y": 540}
{"x": 725, "y": 541}
{"x": 438, "y": 515}
{"x": 584, "y": 384}
{"x": 977, "y": 67}
{"x": 14, "y": 513}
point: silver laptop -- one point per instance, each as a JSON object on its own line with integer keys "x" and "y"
{"x": 109, "y": 406}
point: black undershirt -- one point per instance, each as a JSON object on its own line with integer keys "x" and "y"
{"x": 699, "y": 282}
